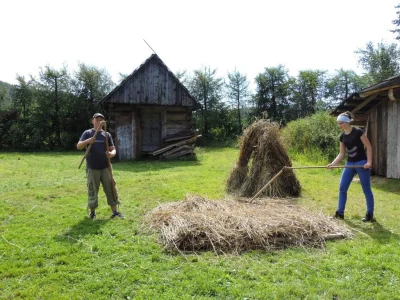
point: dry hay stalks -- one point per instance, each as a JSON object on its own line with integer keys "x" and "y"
{"x": 261, "y": 157}
{"x": 198, "y": 224}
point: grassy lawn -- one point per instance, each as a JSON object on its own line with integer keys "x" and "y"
{"x": 49, "y": 249}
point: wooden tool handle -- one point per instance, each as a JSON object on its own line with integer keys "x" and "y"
{"x": 110, "y": 168}
{"x": 325, "y": 167}
{"x": 90, "y": 146}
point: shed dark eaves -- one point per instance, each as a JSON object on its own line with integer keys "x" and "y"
{"x": 387, "y": 83}
{"x": 362, "y": 102}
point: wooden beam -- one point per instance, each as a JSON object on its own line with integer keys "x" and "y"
{"x": 366, "y": 94}
{"x": 191, "y": 140}
{"x": 391, "y": 96}
{"x": 365, "y": 102}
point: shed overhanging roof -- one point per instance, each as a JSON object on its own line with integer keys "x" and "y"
{"x": 361, "y": 103}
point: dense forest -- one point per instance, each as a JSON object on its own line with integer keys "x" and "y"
{"x": 49, "y": 111}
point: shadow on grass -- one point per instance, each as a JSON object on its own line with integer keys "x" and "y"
{"x": 81, "y": 229}
{"x": 375, "y": 231}
{"x": 386, "y": 184}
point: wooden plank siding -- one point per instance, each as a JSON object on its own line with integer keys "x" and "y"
{"x": 124, "y": 127}
{"x": 153, "y": 85}
{"x": 140, "y": 128}
{"x": 372, "y": 136}
{"x": 393, "y": 144}
{"x": 125, "y": 135}
{"x": 378, "y": 137}
{"x": 382, "y": 138}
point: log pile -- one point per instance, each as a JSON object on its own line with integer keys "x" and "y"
{"x": 177, "y": 145}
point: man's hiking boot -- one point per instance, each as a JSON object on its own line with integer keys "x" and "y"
{"x": 92, "y": 214}
{"x": 368, "y": 218}
{"x": 117, "y": 214}
{"x": 338, "y": 216}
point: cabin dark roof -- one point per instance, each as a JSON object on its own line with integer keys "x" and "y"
{"x": 387, "y": 83}
{"x": 152, "y": 58}
{"x": 361, "y": 102}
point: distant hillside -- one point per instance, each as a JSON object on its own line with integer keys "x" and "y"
{"x": 7, "y": 93}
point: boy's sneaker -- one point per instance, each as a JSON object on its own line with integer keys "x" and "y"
{"x": 338, "y": 216}
{"x": 368, "y": 218}
{"x": 117, "y": 214}
{"x": 92, "y": 215}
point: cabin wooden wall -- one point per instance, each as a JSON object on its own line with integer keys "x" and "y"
{"x": 160, "y": 122}
{"x": 177, "y": 119}
{"x": 377, "y": 135}
{"x": 385, "y": 138}
{"x": 393, "y": 143}
{"x": 124, "y": 129}
{"x": 139, "y": 129}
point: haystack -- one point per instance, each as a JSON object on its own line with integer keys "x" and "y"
{"x": 229, "y": 226}
{"x": 261, "y": 157}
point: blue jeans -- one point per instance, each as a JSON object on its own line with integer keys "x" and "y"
{"x": 365, "y": 179}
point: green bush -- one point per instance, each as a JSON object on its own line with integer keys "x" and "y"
{"x": 317, "y": 135}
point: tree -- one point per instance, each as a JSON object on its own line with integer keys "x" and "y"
{"x": 3, "y": 96}
{"x": 307, "y": 91}
{"x": 182, "y": 76}
{"x": 207, "y": 88}
{"x": 397, "y": 23}
{"x": 92, "y": 83}
{"x": 6, "y": 95}
{"x": 271, "y": 92}
{"x": 23, "y": 96}
{"x": 122, "y": 77}
{"x": 51, "y": 85}
{"x": 237, "y": 92}
{"x": 379, "y": 63}
{"x": 340, "y": 86}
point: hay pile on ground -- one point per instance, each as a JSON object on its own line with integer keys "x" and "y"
{"x": 198, "y": 224}
{"x": 261, "y": 157}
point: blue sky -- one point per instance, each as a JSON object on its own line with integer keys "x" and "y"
{"x": 187, "y": 35}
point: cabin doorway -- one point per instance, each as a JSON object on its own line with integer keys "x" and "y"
{"x": 150, "y": 125}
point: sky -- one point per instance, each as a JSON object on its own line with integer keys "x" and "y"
{"x": 190, "y": 34}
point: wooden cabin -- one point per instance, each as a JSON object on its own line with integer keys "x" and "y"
{"x": 150, "y": 106}
{"x": 377, "y": 110}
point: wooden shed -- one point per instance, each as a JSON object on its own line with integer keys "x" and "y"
{"x": 149, "y": 107}
{"x": 377, "y": 110}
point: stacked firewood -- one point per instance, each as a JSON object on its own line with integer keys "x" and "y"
{"x": 178, "y": 145}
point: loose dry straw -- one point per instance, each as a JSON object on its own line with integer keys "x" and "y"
{"x": 198, "y": 224}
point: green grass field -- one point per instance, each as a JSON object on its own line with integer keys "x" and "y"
{"x": 49, "y": 249}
